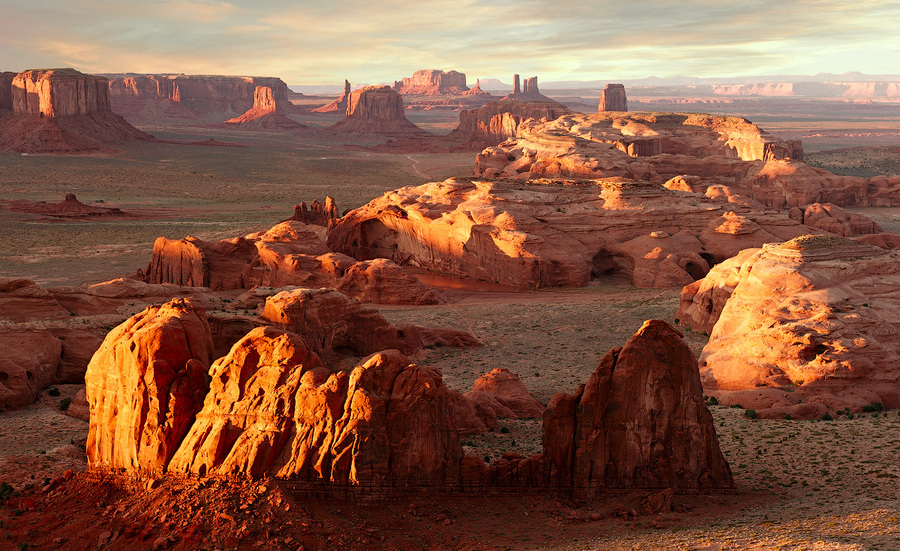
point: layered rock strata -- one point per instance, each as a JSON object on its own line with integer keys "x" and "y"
{"x": 556, "y": 233}
{"x": 728, "y": 152}
{"x": 62, "y": 111}
{"x": 432, "y": 82}
{"x": 800, "y": 328}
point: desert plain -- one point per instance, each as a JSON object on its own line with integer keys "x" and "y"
{"x": 799, "y": 484}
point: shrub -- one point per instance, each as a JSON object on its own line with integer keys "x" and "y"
{"x": 788, "y": 416}
{"x": 827, "y": 417}
{"x": 53, "y": 391}
{"x": 64, "y": 404}
{"x": 504, "y": 430}
{"x": 874, "y": 406}
{"x": 751, "y": 413}
{"x": 6, "y": 491}
{"x": 712, "y": 401}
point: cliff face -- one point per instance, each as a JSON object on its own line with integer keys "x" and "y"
{"x": 376, "y": 110}
{"x": 612, "y": 98}
{"x": 149, "y": 96}
{"x": 267, "y": 112}
{"x": 61, "y": 111}
{"x": 499, "y": 120}
{"x": 58, "y": 93}
{"x": 339, "y": 104}
{"x": 6, "y": 79}
{"x": 433, "y": 82}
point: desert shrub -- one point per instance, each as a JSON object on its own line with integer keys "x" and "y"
{"x": 712, "y": 401}
{"x": 751, "y": 413}
{"x": 64, "y": 404}
{"x": 504, "y": 430}
{"x": 6, "y": 491}
{"x": 827, "y": 417}
{"x": 874, "y": 406}
{"x": 53, "y": 391}
{"x": 788, "y": 416}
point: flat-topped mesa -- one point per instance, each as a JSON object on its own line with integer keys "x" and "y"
{"x": 267, "y": 112}
{"x": 498, "y": 121}
{"x": 612, "y": 98}
{"x": 529, "y": 91}
{"x": 62, "y": 111}
{"x": 339, "y": 104}
{"x": 189, "y": 96}
{"x": 432, "y": 82}
{"x": 376, "y": 110}
{"x": 556, "y": 232}
{"x": 800, "y": 328}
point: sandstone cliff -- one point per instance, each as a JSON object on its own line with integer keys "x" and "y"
{"x": 267, "y": 112}
{"x": 612, "y": 98}
{"x": 376, "y": 111}
{"x": 6, "y": 79}
{"x": 339, "y": 104}
{"x": 498, "y": 121}
{"x": 62, "y": 111}
{"x": 809, "y": 321}
{"x": 556, "y": 233}
{"x": 432, "y": 82}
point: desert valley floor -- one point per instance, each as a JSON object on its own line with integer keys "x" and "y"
{"x": 800, "y": 484}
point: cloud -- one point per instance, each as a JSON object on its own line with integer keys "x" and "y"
{"x": 306, "y": 42}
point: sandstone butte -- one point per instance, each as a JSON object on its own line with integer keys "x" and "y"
{"x": 801, "y": 328}
{"x": 376, "y": 111}
{"x": 528, "y": 92}
{"x": 726, "y": 152}
{"x": 267, "y": 113}
{"x": 155, "y": 96}
{"x": 612, "y": 98}
{"x": 60, "y": 111}
{"x": 289, "y": 253}
{"x": 432, "y": 82}
{"x": 557, "y": 232}
{"x": 272, "y": 409}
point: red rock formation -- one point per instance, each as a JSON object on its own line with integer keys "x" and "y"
{"x": 152, "y": 97}
{"x": 612, "y": 98}
{"x": 640, "y": 421}
{"x": 376, "y": 110}
{"x": 339, "y": 104}
{"x": 555, "y": 233}
{"x": 318, "y": 214}
{"x": 267, "y": 112}
{"x": 476, "y": 90}
{"x": 23, "y": 300}
{"x": 6, "y": 102}
{"x": 432, "y": 82}
{"x": 509, "y": 391}
{"x": 722, "y": 151}
{"x": 289, "y": 253}
{"x": 145, "y": 385}
{"x": 806, "y": 318}
{"x": 834, "y": 219}
{"x": 28, "y": 364}
{"x": 62, "y": 111}
{"x": 529, "y": 91}
{"x": 499, "y": 120}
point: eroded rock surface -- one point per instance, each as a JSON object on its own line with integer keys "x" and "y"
{"x": 498, "y": 121}
{"x": 811, "y": 320}
{"x": 376, "y": 111}
{"x": 612, "y": 98}
{"x": 267, "y": 113}
{"x": 432, "y": 82}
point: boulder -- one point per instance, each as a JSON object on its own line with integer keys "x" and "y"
{"x": 639, "y": 421}
{"x": 612, "y": 98}
{"x": 811, "y": 319}
{"x": 28, "y": 364}
{"x": 510, "y": 391}
{"x": 145, "y": 385}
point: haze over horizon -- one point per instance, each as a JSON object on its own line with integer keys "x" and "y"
{"x": 372, "y": 42}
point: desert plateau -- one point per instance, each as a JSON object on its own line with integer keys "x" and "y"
{"x": 354, "y": 303}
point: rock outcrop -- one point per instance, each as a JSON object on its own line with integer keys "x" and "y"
{"x": 62, "y": 111}
{"x": 339, "y": 105}
{"x": 28, "y": 364}
{"x": 214, "y": 98}
{"x": 498, "y": 121}
{"x": 376, "y": 111}
{"x": 528, "y": 92}
{"x": 724, "y": 152}
{"x": 639, "y": 421}
{"x": 432, "y": 82}
{"x": 834, "y": 219}
{"x": 317, "y": 214}
{"x": 145, "y": 385}
{"x": 556, "y": 233}
{"x": 267, "y": 113}
{"x": 6, "y": 102}
{"x": 290, "y": 253}
{"x": 612, "y": 98}
{"x": 506, "y": 388}
{"x": 811, "y": 320}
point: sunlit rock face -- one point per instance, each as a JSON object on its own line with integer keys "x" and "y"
{"x": 725, "y": 152}
{"x": 809, "y": 321}
{"x": 378, "y": 111}
{"x": 432, "y": 82}
{"x": 268, "y": 112}
{"x": 612, "y": 98}
{"x": 338, "y": 105}
{"x": 556, "y": 232}
{"x": 60, "y": 111}
{"x": 498, "y": 121}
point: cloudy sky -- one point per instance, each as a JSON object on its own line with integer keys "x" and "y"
{"x": 367, "y": 41}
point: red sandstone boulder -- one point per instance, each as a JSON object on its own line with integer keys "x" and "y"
{"x": 640, "y": 421}
{"x": 508, "y": 390}
{"x": 809, "y": 318}
{"x": 384, "y": 282}
{"x": 62, "y": 111}
{"x": 145, "y": 385}
{"x": 612, "y": 98}
{"x": 28, "y": 364}
{"x": 376, "y": 111}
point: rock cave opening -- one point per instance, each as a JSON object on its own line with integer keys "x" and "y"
{"x": 607, "y": 265}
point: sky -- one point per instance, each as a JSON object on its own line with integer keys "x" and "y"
{"x": 368, "y": 42}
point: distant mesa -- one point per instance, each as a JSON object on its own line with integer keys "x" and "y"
{"x": 432, "y": 82}
{"x": 612, "y": 98}
{"x": 267, "y": 113}
{"x": 214, "y": 98}
{"x": 61, "y": 111}
{"x": 70, "y": 207}
{"x": 376, "y": 111}
{"x": 528, "y": 92}
{"x": 339, "y": 104}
